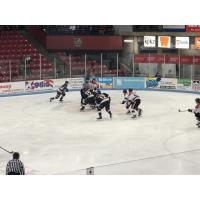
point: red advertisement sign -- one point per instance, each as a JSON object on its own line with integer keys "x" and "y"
{"x": 171, "y": 59}
{"x": 168, "y": 59}
{"x": 192, "y": 28}
{"x": 141, "y": 58}
{"x": 156, "y": 58}
{"x": 186, "y": 59}
{"x": 197, "y": 60}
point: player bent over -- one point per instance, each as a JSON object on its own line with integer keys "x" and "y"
{"x": 125, "y": 93}
{"x": 88, "y": 99}
{"x": 103, "y": 100}
{"x": 196, "y": 111}
{"x": 61, "y": 92}
{"x": 133, "y": 104}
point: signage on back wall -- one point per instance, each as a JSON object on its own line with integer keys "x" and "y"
{"x": 39, "y": 85}
{"x": 104, "y": 82}
{"x": 161, "y": 83}
{"x": 128, "y": 82}
{"x": 197, "y": 43}
{"x": 196, "y": 85}
{"x": 149, "y": 41}
{"x": 164, "y": 41}
{"x": 184, "y": 84}
{"x": 12, "y": 87}
{"x": 182, "y": 43}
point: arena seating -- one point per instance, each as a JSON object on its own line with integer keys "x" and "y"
{"x": 93, "y": 67}
{"x": 14, "y": 48}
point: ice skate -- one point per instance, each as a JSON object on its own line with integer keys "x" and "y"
{"x": 198, "y": 124}
{"x": 51, "y": 99}
{"x": 139, "y": 112}
{"x": 82, "y": 108}
{"x": 100, "y": 116}
{"x": 134, "y": 117}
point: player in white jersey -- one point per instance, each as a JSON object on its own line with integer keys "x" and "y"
{"x": 93, "y": 84}
{"x": 196, "y": 111}
{"x": 133, "y": 103}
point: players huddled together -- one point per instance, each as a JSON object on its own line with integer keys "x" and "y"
{"x": 92, "y": 97}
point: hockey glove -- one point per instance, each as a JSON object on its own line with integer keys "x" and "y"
{"x": 189, "y": 110}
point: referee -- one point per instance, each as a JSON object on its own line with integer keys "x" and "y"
{"x": 15, "y": 166}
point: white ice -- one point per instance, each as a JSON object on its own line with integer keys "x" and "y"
{"x": 56, "y": 138}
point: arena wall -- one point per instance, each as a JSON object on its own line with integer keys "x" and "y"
{"x": 113, "y": 83}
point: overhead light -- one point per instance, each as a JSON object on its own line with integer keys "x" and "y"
{"x": 128, "y": 41}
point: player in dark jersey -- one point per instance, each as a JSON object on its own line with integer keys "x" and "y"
{"x": 103, "y": 100}
{"x": 125, "y": 93}
{"x": 88, "y": 98}
{"x": 84, "y": 88}
{"x": 61, "y": 92}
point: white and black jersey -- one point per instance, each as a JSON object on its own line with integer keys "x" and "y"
{"x": 133, "y": 105}
{"x": 62, "y": 89}
{"x": 88, "y": 98}
{"x": 15, "y": 167}
{"x": 134, "y": 101}
{"x": 61, "y": 92}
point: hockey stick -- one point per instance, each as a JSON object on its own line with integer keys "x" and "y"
{"x": 11, "y": 152}
{"x": 182, "y": 110}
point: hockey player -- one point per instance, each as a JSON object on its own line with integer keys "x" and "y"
{"x": 104, "y": 102}
{"x": 93, "y": 84}
{"x": 133, "y": 104}
{"x": 85, "y": 87}
{"x": 196, "y": 111}
{"x": 88, "y": 98}
{"x": 125, "y": 96}
{"x": 61, "y": 92}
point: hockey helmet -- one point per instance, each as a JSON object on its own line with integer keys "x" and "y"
{"x": 98, "y": 92}
{"x": 197, "y": 100}
{"x": 66, "y": 82}
{"x": 125, "y": 91}
{"x": 130, "y": 90}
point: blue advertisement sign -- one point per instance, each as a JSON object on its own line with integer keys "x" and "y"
{"x": 104, "y": 82}
{"x": 129, "y": 82}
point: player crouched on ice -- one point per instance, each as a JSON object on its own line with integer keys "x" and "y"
{"x": 88, "y": 98}
{"x": 125, "y": 96}
{"x": 61, "y": 92}
{"x": 132, "y": 104}
{"x": 103, "y": 100}
{"x": 196, "y": 111}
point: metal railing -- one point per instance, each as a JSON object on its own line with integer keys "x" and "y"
{"x": 63, "y": 65}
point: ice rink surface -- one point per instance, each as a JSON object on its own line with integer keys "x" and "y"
{"x": 56, "y": 138}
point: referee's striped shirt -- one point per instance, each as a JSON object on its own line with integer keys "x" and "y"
{"x": 15, "y": 167}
